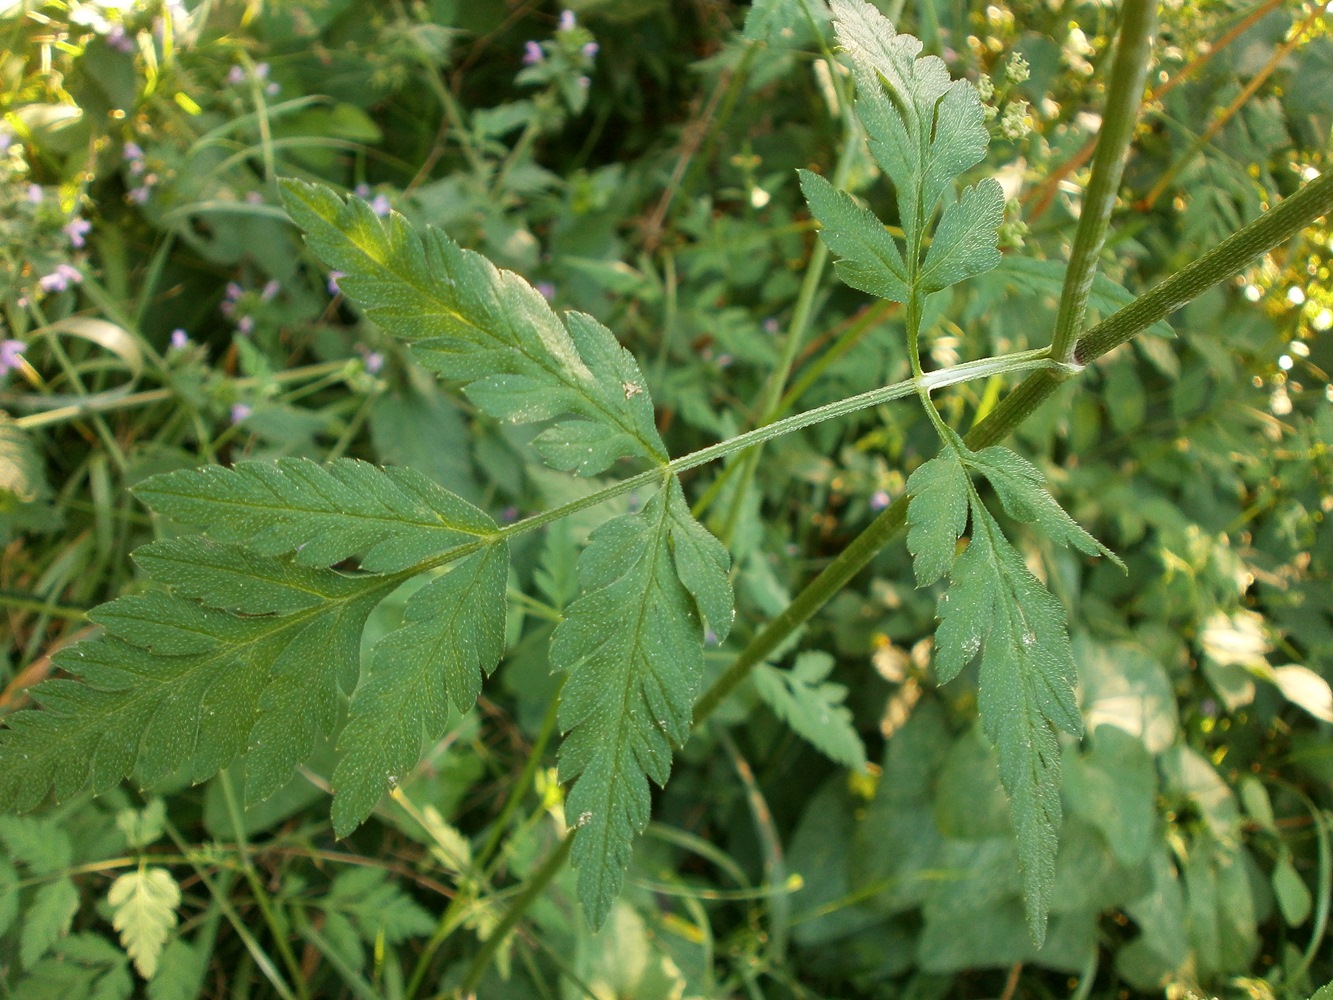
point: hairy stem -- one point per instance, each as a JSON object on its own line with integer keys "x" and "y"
{"x": 1223, "y": 261}
{"x": 1124, "y": 96}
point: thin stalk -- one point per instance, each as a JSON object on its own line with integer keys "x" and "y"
{"x": 549, "y": 869}
{"x": 771, "y": 403}
{"x": 983, "y": 368}
{"x": 218, "y": 890}
{"x": 524, "y": 782}
{"x": 1123, "y": 99}
{"x": 1222, "y": 262}
{"x": 150, "y": 396}
{"x": 275, "y": 926}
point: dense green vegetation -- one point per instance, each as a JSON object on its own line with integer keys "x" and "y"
{"x": 256, "y": 236}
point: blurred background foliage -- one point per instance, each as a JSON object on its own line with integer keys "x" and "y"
{"x": 637, "y": 160}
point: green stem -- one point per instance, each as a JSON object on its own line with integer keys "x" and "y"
{"x": 1225, "y": 260}
{"x": 771, "y": 404}
{"x": 1123, "y": 99}
{"x": 261, "y": 895}
{"x": 966, "y": 372}
{"x": 551, "y": 867}
{"x": 106, "y": 404}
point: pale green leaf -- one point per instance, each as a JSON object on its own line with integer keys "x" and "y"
{"x": 453, "y": 632}
{"x": 37, "y": 843}
{"x": 966, "y": 240}
{"x": 142, "y": 827}
{"x": 996, "y": 607}
{"x": 377, "y": 906}
{"x": 180, "y": 972}
{"x": 143, "y": 905}
{"x": 392, "y": 518}
{"x": 631, "y": 647}
{"x": 815, "y": 709}
{"x": 1022, "y": 491}
{"x": 936, "y": 516}
{"x": 490, "y": 329}
{"x": 785, "y": 23}
{"x": 1114, "y": 787}
{"x": 924, "y": 128}
{"x": 22, "y": 471}
{"x": 868, "y": 256}
{"x": 1293, "y": 895}
{"x": 48, "y": 915}
{"x": 9, "y": 896}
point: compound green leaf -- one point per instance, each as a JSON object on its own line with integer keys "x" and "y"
{"x": 997, "y": 608}
{"x": 392, "y": 517}
{"x": 966, "y": 241}
{"x": 143, "y": 905}
{"x": 467, "y": 320}
{"x": 378, "y": 907}
{"x": 868, "y": 256}
{"x": 631, "y": 647}
{"x": 453, "y": 632}
{"x": 924, "y": 128}
{"x": 802, "y": 698}
{"x": 147, "y": 710}
{"x": 47, "y": 916}
{"x": 1021, "y": 489}
{"x": 936, "y": 515}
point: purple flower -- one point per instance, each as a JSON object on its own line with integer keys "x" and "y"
{"x": 139, "y": 195}
{"x": 509, "y": 514}
{"x": 245, "y": 325}
{"x": 532, "y": 53}
{"x": 273, "y": 89}
{"x": 76, "y": 229}
{"x": 271, "y": 289}
{"x": 234, "y": 291}
{"x": 380, "y": 205}
{"x": 261, "y": 70}
{"x": 590, "y": 50}
{"x": 710, "y": 637}
{"x": 879, "y": 500}
{"x": 362, "y": 191}
{"x": 119, "y": 40}
{"x": 61, "y": 278}
{"x": 236, "y": 76}
{"x": 567, "y": 21}
{"x": 179, "y": 339}
{"x": 547, "y": 289}
{"x": 10, "y": 353}
{"x": 132, "y": 151}
{"x": 585, "y": 82}
{"x": 374, "y": 362}
{"x": 34, "y": 194}
{"x": 333, "y": 282}
{"x": 239, "y": 411}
